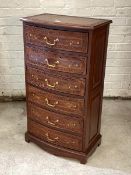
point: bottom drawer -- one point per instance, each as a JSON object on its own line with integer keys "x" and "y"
{"x": 54, "y": 137}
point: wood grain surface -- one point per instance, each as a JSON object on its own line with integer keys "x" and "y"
{"x": 65, "y": 61}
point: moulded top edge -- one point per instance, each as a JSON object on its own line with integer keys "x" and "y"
{"x": 64, "y": 21}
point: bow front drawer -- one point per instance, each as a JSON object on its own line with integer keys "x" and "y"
{"x": 56, "y": 102}
{"x": 54, "y": 60}
{"x": 58, "y": 39}
{"x": 63, "y": 122}
{"x": 54, "y": 137}
{"x": 57, "y": 83}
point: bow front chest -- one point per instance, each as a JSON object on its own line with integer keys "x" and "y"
{"x": 65, "y": 60}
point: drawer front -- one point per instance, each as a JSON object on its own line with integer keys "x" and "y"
{"x": 55, "y": 120}
{"x": 64, "y": 40}
{"x": 56, "y": 102}
{"x": 58, "y": 83}
{"x": 54, "y": 137}
{"x": 54, "y": 60}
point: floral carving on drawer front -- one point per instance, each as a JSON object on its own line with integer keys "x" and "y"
{"x": 54, "y": 60}
{"x": 56, "y": 102}
{"x": 55, "y": 120}
{"x": 65, "y": 40}
{"x": 58, "y": 83}
{"x": 54, "y": 137}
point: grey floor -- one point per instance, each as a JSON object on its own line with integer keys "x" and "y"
{"x": 114, "y": 152}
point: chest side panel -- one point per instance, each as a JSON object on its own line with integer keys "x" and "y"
{"x": 97, "y": 61}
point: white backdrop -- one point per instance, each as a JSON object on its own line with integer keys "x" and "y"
{"x": 118, "y": 70}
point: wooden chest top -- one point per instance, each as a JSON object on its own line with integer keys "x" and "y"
{"x": 62, "y": 21}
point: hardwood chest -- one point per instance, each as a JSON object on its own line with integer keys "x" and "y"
{"x": 64, "y": 70}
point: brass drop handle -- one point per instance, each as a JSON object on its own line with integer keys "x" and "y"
{"x": 51, "y": 123}
{"x": 49, "y": 43}
{"x": 51, "y": 105}
{"x": 51, "y": 140}
{"x": 51, "y": 65}
{"x": 49, "y": 85}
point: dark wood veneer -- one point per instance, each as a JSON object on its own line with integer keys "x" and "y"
{"x": 67, "y": 105}
{"x": 55, "y": 137}
{"x": 65, "y": 62}
{"x": 55, "y": 120}
{"x": 57, "y": 83}
{"x": 65, "y": 66}
{"x": 58, "y": 39}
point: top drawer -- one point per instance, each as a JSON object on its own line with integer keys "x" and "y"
{"x": 64, "y": 40}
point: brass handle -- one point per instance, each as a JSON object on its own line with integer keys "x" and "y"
{"x": 51, "y": 65}
{"x": 50, "y": 44}
{"x": 49, "y": 139}
{"x": 49, "y": 85}
{"x": 51, "y": 123}
{"x": 47, "y": 102}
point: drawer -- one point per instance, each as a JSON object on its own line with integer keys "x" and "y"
{"x": 53, "y": 60}
{"x": 55, "y": 120}
{"x": 58, "y": 83}
{"x": 54, "y": 137}
{"x": 58, "y": 39}
{"x": 56, "y": 102}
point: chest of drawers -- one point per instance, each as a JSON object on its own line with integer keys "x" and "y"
{"x": 64, "y": 70}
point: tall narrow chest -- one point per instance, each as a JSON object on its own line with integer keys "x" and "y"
{"x": 65, "y": 60}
